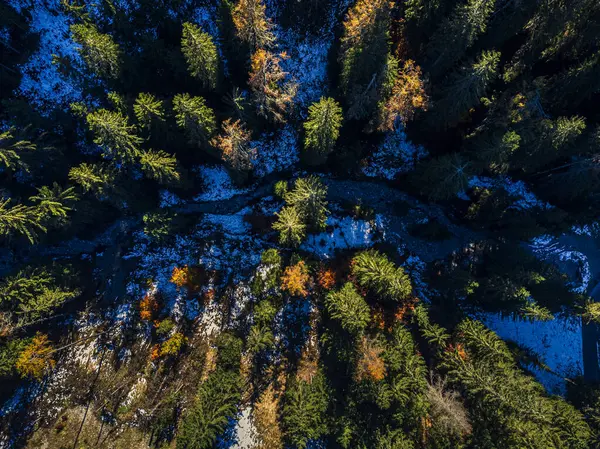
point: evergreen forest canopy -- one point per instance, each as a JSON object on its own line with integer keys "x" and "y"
{"x": 299, "y": 224}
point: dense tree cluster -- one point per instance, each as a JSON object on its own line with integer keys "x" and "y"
{"x": 238, "y": 126}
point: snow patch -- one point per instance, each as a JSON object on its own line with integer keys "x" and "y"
{"x": 347, "y": 233}
{"x": 524, "y": 198}
{"x": 42, "y": 83}
{"x": 169, "y": 199}
{"x": 276, "y": 151}
{"x": 217, "y": 184}
{"x": 395, "y": 155}
{"x": 245, "y": 431}
{"x": 548, "y": 339}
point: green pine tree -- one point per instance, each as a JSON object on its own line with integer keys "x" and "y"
{"x": 11, "y": 148}
{"x": 349, "y": 307}
{"x": 463, "y": 91}
{"x": 443, "y": 177}
{"x": 216, "y": 403}
{"x": 99, "y": 51}
{"x": 160, "y": 166}
{"x": 115, "y": 135}
{"x": 54, "y": 202}
{"x": 290, "y": 226}
{"x": 148, "y": 110}
{"x": 20, "y": 220}
{"x": 308, "y": 198}
{"x": 322, "y": 127}
{"x": 376, "y": 272}
{"x": 456, "y": 35}
{"x": 305, "y": 410}
{"x": 195, "y": 117}
{"x": 95, "y": 178}
{"x": 201, "y": 55}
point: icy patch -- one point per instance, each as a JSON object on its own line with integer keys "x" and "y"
{"x": 276, "y": 151}
{"x": 42, "y": 83}
{"x": 395, "y": 155}
{"x": 217, "y": 184}
{"x": 524, "y": 198}
{"x": 210, "y": 323}
{"x": 548, "y": 339}
{"x": 346, "y": 233}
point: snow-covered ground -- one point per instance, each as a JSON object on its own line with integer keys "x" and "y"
{"x": 557, "y": 342}
{"x": 276, "y": 151}
{"x": 523, "y": 197}
{"x": 42, "y": 83}
{"x": 217, "y": 184}
{"x": 347, "y": 233}
{"x": 395, "y": 155}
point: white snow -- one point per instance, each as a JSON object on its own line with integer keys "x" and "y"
{"x": 549, "y": 248}
{"x": 347, "y": 233}
{"x": 42, "y": 83}
{"x": 245, "y": 432}
{"x": 395, "y": 155}
{"x": 230, "y": 224}
{"x": 217, "y": 184}
{"x": 306, "y": 65}
{"x": 558, "y": 342}
{"x": 276, "y": 151}
{"x": 524, "y": 198}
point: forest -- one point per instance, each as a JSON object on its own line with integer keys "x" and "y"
{"x": 299, "y": 224}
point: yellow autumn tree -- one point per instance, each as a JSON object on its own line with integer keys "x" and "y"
{"x": 407, "y": 95}
{"x": 251, "y": 23}
{"x": 295, "y": 279}
{"x": 273, "y": 93}
{"x": 370, "y": 363}
{"x": 234, "y": 145}
{"x": 266, "y": 420}
{"x": 36, "y": 359}
{"x": 179, "y": 276}
{"x": 173, "y": 345}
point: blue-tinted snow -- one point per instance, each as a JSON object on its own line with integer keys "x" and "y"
{"x": 42, "y": 83}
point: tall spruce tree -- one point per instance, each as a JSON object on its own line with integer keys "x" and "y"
{"x": 322, "y": 127}
{"x": 99, "y": 51}
{"x": 201, "y": 55}
{"x": 160, "y": 166}
{"x": 363, "y": 55}
{"x": 115, "y": 135}
{"x": 290, "y": 226}
{"x": 20, "y": 220}
{"x": 195, "y": 117}
{"x": 456, "y": 35}
{"x": 148, "y": 110}
{"x": 463, "y": 91}
{"x": 308, "y": 198}
{"x": 349, "y": 307}
{"x": 376, "y": 272}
